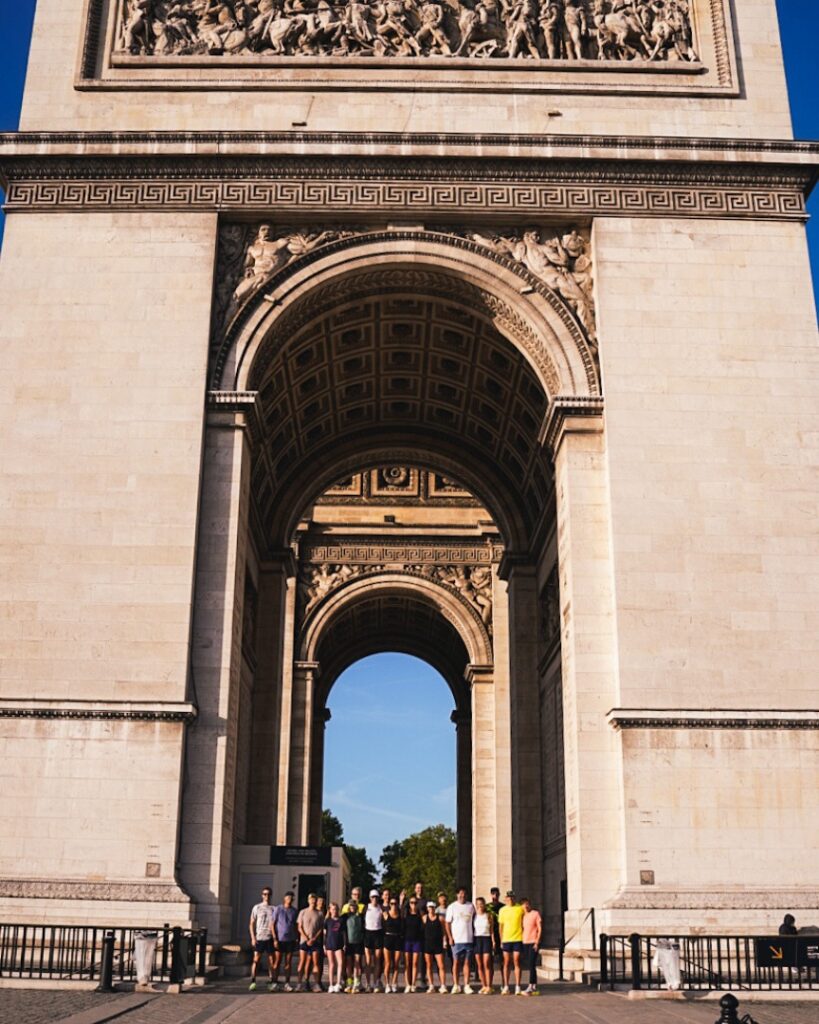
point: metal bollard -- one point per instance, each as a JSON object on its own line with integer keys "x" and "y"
{"x": 203, "y": 952}
{"x": 107, "y": 965}
{"x": 728, "y": 1010}
{"x": 604, "y": 959}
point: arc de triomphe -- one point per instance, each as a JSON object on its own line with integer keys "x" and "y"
{"x": 481, "y": 331}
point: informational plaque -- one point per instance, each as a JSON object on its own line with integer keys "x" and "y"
{"x": 302, "y": 856}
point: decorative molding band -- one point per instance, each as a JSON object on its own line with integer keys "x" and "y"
{"x": 182, "y": 143}
{"x": 140, "y": 711}
{"x": 711, "y": 718}
{"x": 386, "y": 550}
{"x": 126, "y": 892}
{"x": 656, "y": 898}
{"x": 564, "y": 407}
{"x": 296, "y": 196}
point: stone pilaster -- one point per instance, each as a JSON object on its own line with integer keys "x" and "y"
{"x": 593, "y": 773}
{"x": 462, "y": 720}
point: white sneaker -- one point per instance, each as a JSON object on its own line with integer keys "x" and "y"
{"x": 468, "y": 990}
{"x": 518, "y": 990}
{"x": 456, "y": 989}
{"x": 287, "y": 987}
{"x": 443, "y": 990}
{"x": 504, "y": 990}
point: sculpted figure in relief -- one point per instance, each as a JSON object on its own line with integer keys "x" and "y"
{"x": 561, "y": 263}
{"x": 266, "y": 255}
{"x": 572, "y": 30}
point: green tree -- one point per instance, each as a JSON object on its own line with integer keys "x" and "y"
{"x": 430, "y": 856}
{"x": 332, "y": 831}
{"x": 362, "y": 869}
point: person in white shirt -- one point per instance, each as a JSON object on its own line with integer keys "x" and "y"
{"x": 373, "y": 942}
{"x": 261, "y": 937}
{"x": 461, "y": 935}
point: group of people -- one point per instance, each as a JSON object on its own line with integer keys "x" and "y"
{"x": 367, "y": 945}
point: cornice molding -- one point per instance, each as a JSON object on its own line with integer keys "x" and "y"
{"x": 564, "y": 407}
{"x": 43, "y": 176}
{"x": 726, "y": 898}
{"x": 711, "y": 718}
{"x": 513, "y": 145}
{"x": 141, "y": 711}
{"x": 69, "y": 889}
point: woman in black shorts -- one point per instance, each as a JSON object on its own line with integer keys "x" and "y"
{"x": 434, "y": 947}
{"x": 413, "y": 942}
{"x": 393, "y": 940}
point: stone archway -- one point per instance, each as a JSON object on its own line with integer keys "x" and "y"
{"x": 414, "y": 612}
{"x": 411, "y": 349}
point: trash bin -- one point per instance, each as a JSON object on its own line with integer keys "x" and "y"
{"x": 144, "y": 952}
{"x": 667, "y": 962}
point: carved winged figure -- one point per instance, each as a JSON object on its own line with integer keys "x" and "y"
{"x": 266, "y": 256}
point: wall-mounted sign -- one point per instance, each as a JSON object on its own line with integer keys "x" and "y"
{"x": 302, "y": 856}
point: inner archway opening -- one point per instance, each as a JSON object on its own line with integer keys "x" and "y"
{"x": 390, "y": 761}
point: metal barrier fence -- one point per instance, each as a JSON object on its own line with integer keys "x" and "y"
{"x": 714, "y": 961}
{"x": 78, "y": 952}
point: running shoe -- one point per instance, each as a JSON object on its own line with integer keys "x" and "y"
{"x": 468, "y": 990}
{"x": 505, "y": 990}
{"x": 518, "y": 990}
{"x": 456, "y": 990}
{"x": 443, "y": 990}
{"x": 271, "y": 986}
{"x": 251, "y": 987}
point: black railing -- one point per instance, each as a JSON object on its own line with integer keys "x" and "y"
{"x": 75, "y": 952}
{"x": 710, "y": 962}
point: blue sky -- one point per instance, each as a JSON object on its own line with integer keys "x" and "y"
{"x": 389, "y": 765}
{"x": 399, "y": 775}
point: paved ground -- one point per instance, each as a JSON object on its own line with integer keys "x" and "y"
{"x": 230, "y": 1002}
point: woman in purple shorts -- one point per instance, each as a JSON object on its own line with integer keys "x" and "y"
{"x": 413, "y": 943}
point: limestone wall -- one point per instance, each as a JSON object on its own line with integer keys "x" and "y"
{"x": 759, "y": 108}
{"x": 711, "y": 374}
{"x": 104, "y": 347}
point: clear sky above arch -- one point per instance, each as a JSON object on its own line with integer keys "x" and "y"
{"x": 389, "y": 751}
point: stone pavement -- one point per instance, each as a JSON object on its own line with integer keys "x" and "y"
{"x": 230, "y": 1002}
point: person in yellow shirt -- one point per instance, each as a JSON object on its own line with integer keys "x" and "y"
{"x": 510, "y": 922}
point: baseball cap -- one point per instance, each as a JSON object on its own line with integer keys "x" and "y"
{"x": 509, "y": 892}
{"x": 373, "y": 892}
{"x": 430, "y": 903}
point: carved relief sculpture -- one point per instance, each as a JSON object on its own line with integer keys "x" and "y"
{"x": 563, "y": 264}
{"x": 473, "y": 583}
{"x": 556, "y": 30}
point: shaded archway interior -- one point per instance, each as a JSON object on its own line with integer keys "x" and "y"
{"x": 389, "y": 375}
{"x": 392, "y": 621}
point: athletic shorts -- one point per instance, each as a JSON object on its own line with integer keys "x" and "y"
{"x": 413, "y": 946}
{"x": 263, "y": 946}
{"x": 434, "y": 950}
{"x": 337, "y": 947}
{"x": 512, "y": 947}
{"x": 392, "y": 943}
{"x": 483, "y": 945}
{"x": 306, "y": 947}
{"x": 374, "y": 939}
{"x": 288, "y": 946}
{"x": 354, "y": 948}
{"x": 461, "y": 950}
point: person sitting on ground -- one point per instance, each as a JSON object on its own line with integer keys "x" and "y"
{"x": 788, "y": 926}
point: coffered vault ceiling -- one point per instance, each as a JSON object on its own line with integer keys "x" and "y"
{"x": 425, "y": 374}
